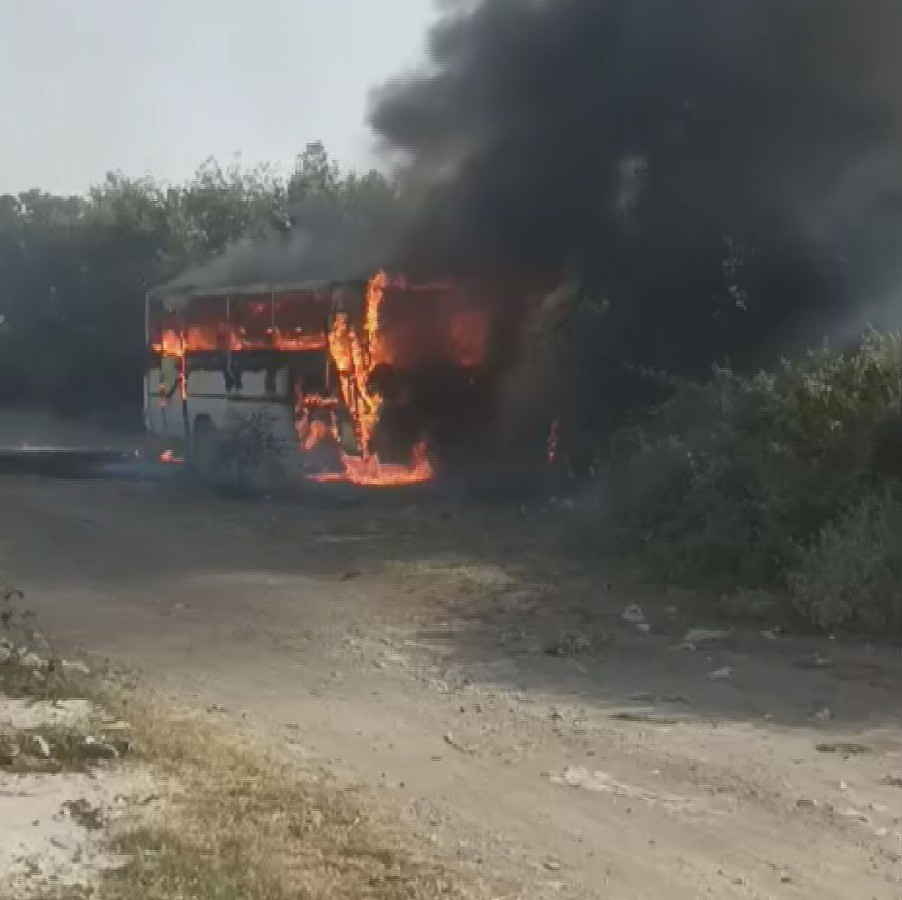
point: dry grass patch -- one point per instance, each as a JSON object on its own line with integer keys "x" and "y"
{"x": 240, "y": 823}
{"x": 472, "y": 576}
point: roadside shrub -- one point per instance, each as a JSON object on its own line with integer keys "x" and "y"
{"x": 248, "y": 456}
{"x": 721, "y": 485}
{"x": 850, "y": 576}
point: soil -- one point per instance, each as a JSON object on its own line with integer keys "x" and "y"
{"x": 53, "y": 821}
{"x": 454, "y": 660}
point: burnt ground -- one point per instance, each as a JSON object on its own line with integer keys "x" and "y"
{"x": 458, "y": 662}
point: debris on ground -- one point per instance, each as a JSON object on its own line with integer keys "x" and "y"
{"x": 634, "y": 616}
{"x": 451, "y": 741}
{"x": 39, "y": 746}
{"x": 604, "y": 783}
{"x": 569, "y": 643}
{"x": 722, "y": 673}
{"x": 84, "y": 814}
{"x": 848, "y": 748}
{"x": 76, "y": 667}
{"x": 696, "y": 636}
{"x": 643, "y": 718}
{"x": 59, "y": 791}
{"x": 816, "y": 661}
{"x": 28, "y": 659}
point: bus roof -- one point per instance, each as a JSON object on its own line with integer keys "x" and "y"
{"x": 175, "y": 294}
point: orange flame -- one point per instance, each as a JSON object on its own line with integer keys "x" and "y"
{"x": 370, "y": 472}
{"x": 354, "y": 360}
{"x": 231, "y": 338}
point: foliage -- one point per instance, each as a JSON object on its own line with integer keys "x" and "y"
{"x": 29, "y": 664}
{"x": 247, "y": 456}
{"x": 725, "y": 482}
{"x": 850, "y": 575}
{"x": 73, "y": 270}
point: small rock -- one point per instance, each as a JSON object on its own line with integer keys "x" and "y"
{"x": 634, "y": 615}
{"x": 96, "y": 749}
{"x": 40, "y": 747}
{"x": 552, "y": 865}
{"x": 722, "y": 673}
{"x": 815, "y": 661}
{"x": 8, "y": 750}
{"x": 451, "y": 742}
{"x": 696, "y": 636}
{"x": 569, "y": 643}
{"x": 6, "y": 654}
{"x": 847, "y": 748}
{"x": 76, "y": 666}
{"x": 892, "y": 780}
{"x": 81, "y": 812}
{"x": 785, "y": 879}
{"x": 30, "y": 660}
{"x": 643, "y": 718}
{"x": 824, "y": 715}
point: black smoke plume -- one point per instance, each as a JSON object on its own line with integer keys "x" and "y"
{"x": 721, "y": 175}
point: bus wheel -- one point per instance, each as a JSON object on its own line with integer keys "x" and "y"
{"x": 203, "y": 446}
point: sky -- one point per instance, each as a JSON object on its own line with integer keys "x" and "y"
{"x": 154, "y": 87}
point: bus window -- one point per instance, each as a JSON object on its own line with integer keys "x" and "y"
{"x": 206, "y": 325}
{"x": 250, "y": 318}
{"x": 166, "y": 332}
{"x": 300, "y": 320}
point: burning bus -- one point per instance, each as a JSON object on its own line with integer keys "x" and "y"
{"x": 368, "y": 380}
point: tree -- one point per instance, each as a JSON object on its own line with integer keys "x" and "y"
{"x": 74, "y": 270}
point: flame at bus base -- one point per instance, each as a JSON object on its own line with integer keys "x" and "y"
{"x": 368, "y": 471}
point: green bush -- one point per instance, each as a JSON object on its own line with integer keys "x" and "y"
{"x": 247, "y": 457}
{"x": 850, "y": 575}
{"x": 722, "y": 484}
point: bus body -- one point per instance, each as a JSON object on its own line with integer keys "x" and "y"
{"x": 352, "y": 374}
{"x": 219, "y": 356}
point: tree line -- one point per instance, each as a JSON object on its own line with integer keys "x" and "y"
{"x": 74, "y": 269}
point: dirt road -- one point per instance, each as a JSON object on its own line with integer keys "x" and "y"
{"x": 408, "y": 648}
